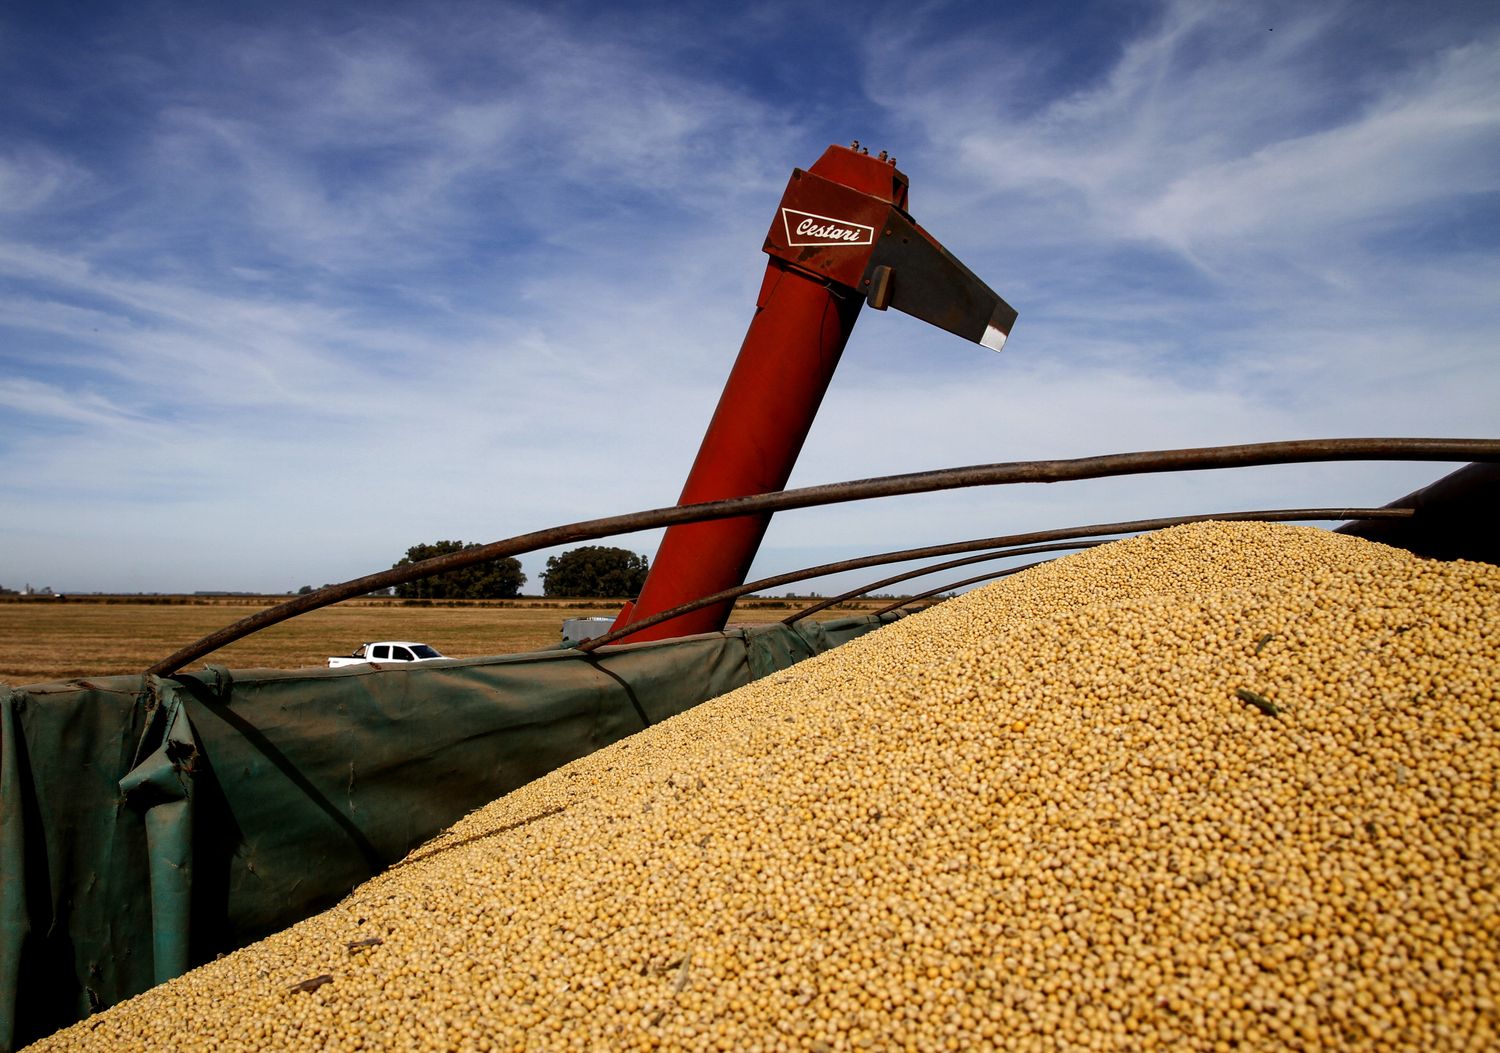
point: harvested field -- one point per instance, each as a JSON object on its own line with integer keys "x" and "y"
{"x": 47, "y": 639}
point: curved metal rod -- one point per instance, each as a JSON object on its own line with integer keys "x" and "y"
{"x": 920, "y": 572}
{"x": 1052, "y": 471}
{"x": 991, "y": 576}
{"x": 1060, "y": 534}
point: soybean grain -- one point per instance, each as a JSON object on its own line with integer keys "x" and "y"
{"x": 1038, "y": 816}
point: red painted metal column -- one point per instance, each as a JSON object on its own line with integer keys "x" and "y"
{"x": 763, "y": 417}
{"x": 840, "y": 237}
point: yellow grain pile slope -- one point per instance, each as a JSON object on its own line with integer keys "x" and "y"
{"x": 1226, "y": 786}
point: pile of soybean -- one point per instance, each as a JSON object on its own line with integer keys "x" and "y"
{"x": 1227, "y": 786}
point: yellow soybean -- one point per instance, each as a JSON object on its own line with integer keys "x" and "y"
{"x": 1039, "y": 816}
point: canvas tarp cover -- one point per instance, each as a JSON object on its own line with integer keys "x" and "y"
{"x": 147, "y": 824}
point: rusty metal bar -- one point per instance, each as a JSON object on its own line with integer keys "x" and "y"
{"x": 921, "y": 572}
{"x": 1050, "y": 471}
{"x": 1063, "y": 533}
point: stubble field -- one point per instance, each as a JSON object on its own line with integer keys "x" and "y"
{"x": 48, "y": 639}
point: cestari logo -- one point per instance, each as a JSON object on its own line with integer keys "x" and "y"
{"x": 804, "y": 229}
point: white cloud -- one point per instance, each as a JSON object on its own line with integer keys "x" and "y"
{"x": 32, "y": 177}
{"x": 51, "y": 403}
{"x": 1215, "y": 136}
{"x": 1431, "y": 137}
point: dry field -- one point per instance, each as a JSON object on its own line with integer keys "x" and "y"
{"x": 45, "y": 639}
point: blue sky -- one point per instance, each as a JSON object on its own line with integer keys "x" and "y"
{"x": 286, "y": 288}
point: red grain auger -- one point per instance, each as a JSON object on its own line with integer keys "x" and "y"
{"x": 841, "y": 237}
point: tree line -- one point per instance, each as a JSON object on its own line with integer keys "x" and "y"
{"x": 600, "y": 571}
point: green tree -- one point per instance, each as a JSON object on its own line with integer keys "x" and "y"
{"x": 496, "y": 579}
{"x": 595, "y": 570}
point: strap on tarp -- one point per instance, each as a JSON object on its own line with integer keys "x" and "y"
{"x": 160, "y": 787}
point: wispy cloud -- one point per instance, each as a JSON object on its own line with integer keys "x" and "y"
{"x": 52, "y": 403}
{"x": 1215, "y": 133}
{"x": 32, "y": 177}
{"x": 1432, "y": 137}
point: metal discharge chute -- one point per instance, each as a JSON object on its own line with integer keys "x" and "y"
{"x": 841, "y": 238}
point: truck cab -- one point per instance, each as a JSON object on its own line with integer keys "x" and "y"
{"x": 386, "y": 651}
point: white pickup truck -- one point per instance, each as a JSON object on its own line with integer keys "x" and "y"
{"x": 386, "y": 651}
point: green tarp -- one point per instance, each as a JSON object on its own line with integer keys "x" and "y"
{"x": 148, "y": 824}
